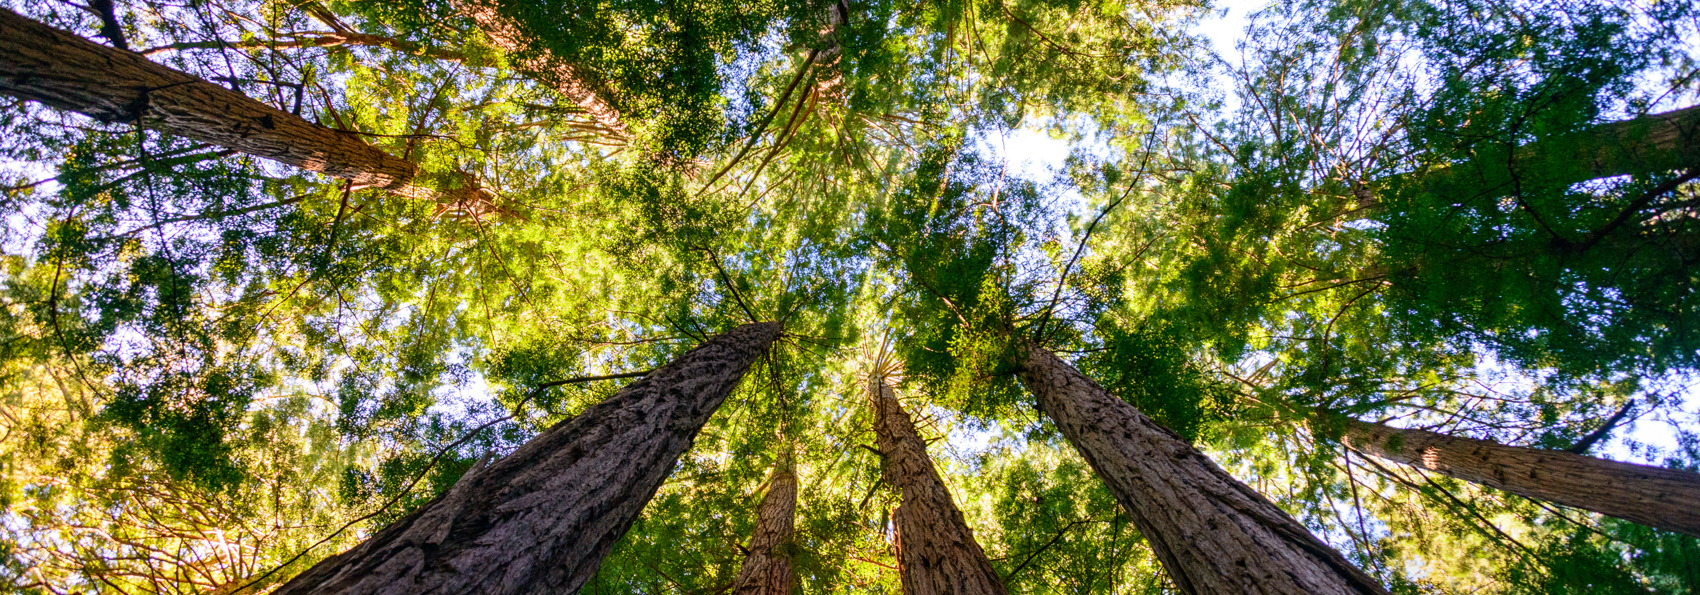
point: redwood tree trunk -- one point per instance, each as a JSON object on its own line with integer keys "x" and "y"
{"x": 767, "y": 568}
{"x": 64, "y": 71}
{"x": 1654, "y": 496}
{"x": 936, "y": 552}
{"x": 1212, "y": 533}
{"x": 566, "y": 78}
{"x": 541, "y": 519}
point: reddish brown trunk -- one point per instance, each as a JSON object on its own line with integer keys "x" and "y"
{"x": 1654, "y": 496}
{"x": 767, "y": 569}
{"x": 1212, "y": 533}
{"x": 542, "y": 518}
{"x": 566, "y": 78}
{"x": 936, "y": 551}
{"x": 64, "y": 71}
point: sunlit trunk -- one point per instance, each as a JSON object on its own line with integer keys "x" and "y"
{"x": 767, "y": 569}
{"x": 67, "y": 72}
{"x": 1212, "y": 533}
{"x": 1662, "y": 498}
{"x": 556, "y": 72}
{"x": 936, "y": 551}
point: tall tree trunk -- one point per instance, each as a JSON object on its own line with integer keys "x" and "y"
{"x": 1212, "y": 533}
{"x": 67, "y": 72}
{"x": 936, "y": 551}
{"x": 1654, "y": 496}
{"x": 568, "y": 79}
{"x": 541, "y": 519}
{"x": 1668, "y": 141}
{"x": 767, "y": 569}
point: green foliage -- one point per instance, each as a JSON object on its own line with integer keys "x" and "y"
{"x": 1496, "y": 238}
{"x": 210, "y": 363}
{"x": 1150, "y": 367}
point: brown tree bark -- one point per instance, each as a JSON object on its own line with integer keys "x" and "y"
{"x": 1212, "y": 533}
{"x": 67, "y": 72}
{"x": 1662, "y": 498}
{"x": 568, "y": 79}
{"x": 767, "y": 569}
{"x": 936, "y": 552}
{"x": 541, "y": 519}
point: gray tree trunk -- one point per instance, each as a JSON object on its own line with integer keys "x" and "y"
{"x": 541, "y": 519}
{"x": 64, "y": 71}
{"x": 1662, "y": 498}
{"x": 542, "y": 65}
{"x": 767, "y": 569}
{"x": 1212, "y": 533}
{"x": 936, "y": 551}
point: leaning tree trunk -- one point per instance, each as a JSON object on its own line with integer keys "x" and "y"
{"x": 540, "y": 519}
{"x": 936, "y": 552}
{"x": 1667, "y": 141}
{"x": 1662, "y": 498}
{"x": 1212, "y": 533}
{"x": 571, "y": 81}
{"x": 64, "y": 71}
{"x": 767, "y": 569}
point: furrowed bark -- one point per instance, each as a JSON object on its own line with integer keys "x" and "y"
{"x": 541, "y": 519}
{"x": 1212, "y": 533}
{"x": 64, "y": 71}
{"x": 1661, "y": 498}
{"x": 936, "y": 551}
{"x": 767, "y": 569}
{"x": 564, "y": 77}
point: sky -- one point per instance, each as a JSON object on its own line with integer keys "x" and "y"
{"x": 1035, "y": 154}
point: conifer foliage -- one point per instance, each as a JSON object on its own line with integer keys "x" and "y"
{"x": 704, "y": 297}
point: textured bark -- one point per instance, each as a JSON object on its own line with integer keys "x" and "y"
{"x": 1662, "y": 498}
{"x": 566, "y": 78}
{"x": 67, "y": 72}
{"x": 767, "y": 569}
{"x": 541, "y": 519}
{"x": 1212, "y": 533}
{"x": 936, "y": 551}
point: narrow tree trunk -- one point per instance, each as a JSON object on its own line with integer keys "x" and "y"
{"x": 1654, "y": 496}
{"x": 539, "y": 63}
{"x": 767, "y": 568}
{"x": 541, "y": 519}
{"x": 67, "y": 72}
{"x": 936, "y": 551}
{"x": 1212, "y": 533}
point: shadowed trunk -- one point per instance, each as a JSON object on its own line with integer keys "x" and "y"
{"x": 936, "y": 552}
{"x": 1213, "y": 534}
{"x": 541, "y": 519}
{"x": 67, "y": 72}
{"x": 1668, "y": 141}
{"x": 767, "y": 568}
{"x": 542, "y": 65}
{"x": 1662, "y": 498}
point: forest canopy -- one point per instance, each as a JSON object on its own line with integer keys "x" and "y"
{"x": 701, "y": 297}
